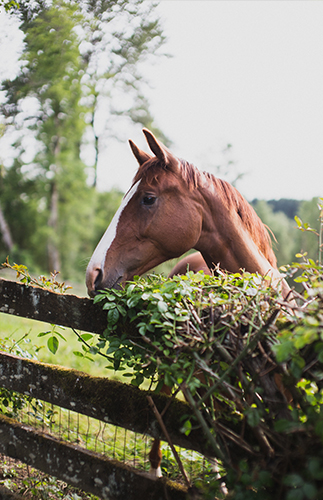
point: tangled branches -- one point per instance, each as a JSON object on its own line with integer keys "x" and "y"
{"x": 251, "y": 370}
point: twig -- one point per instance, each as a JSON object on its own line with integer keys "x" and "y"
{"x": 238, "y": 440}
{"x": 217, "y": 450}
{"x": 243, "y": 353}
{"x": 163, "y": 428}
{"x": 88, "y": 345}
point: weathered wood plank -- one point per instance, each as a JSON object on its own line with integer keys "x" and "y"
{"x": 106, "y": 478}
{"x": 107, "y": 400}
{"x": 43, "y": 305}
{"x": 6, "y": 494}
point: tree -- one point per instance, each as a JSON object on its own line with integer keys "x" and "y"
{"x": 284, "y": 235}
{"x": 79, "y": 58}
{"x": 51, "y": 77}
{"x": 117, "y": 37}
{"x": 308, "y": 241}
{"x": 9, "y": 5}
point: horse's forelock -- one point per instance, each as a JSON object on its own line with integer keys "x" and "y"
{"x": 149, "y": 171}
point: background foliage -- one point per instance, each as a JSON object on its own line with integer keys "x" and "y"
{"x": 79, "y": 58}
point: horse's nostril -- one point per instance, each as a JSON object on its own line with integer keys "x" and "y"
{"x": 98, "y": 279}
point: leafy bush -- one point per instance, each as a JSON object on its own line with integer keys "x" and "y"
{"x": 248, "y": 363}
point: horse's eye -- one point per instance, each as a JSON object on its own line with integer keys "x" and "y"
{"x": 148, "y": 200}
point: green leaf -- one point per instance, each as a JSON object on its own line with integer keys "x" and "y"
{"x": 61, "y": 336}
{"x": 113, "y": 316}
{"x": 42, "y": 334}
{"x": 310, "y": 491}
{"x": 283, "y": 351}
{"x": 168, "y": 379}
{"x": 93, "y": 350}
{"x": 108, "y": 306}
{"x": 283, "y": 425}
{"x": 298, "y": 221}
{"x": 162, "y": 306}
{"x": 253, "y": 417}
{"x": 301, "y": 279}
{"x": 86, "y": 336}
{"x": 143, "y": 329}
{"x": 293, "y": 480}
{"x": 133, "y": 301}
{"x": 295, "y": 494}
{"x": 98, "y": 298}
{"x": 186, "y": 427}
{"x": 53, "y": 344}
{"x": 78, "y": 354}
{"x": 122, "y": 310}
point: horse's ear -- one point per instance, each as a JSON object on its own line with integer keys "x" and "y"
{"x": 140, "y": 155}
{"x": 155, "y": 146}
{"x": 159, "y": 150}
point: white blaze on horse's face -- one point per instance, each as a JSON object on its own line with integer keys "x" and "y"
{"x": 96, "y": 265}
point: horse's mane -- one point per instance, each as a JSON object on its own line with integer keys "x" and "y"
{"x": 194, "y": 179}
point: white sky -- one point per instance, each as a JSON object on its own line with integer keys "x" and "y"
{"x": 248, "y": 73}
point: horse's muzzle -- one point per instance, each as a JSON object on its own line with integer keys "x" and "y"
{"x": 96, "y": 281}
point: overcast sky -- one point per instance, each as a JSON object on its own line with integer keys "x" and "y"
{"x": 247, "y": 73}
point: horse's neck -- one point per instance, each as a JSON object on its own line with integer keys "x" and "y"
{"x": 226, "y": 240}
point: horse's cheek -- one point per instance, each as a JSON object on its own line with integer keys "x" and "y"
{"x": 177, "y": 237}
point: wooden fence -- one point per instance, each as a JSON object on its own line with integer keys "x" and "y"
{"x": 108, "y": 401}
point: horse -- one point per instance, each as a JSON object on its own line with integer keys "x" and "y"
{"x": 170, "y": 208}
{"x": 193, "y": 262}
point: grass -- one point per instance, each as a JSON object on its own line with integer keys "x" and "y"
{"x": 23, "y": 332}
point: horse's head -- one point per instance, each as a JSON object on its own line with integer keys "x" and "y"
{"x": 158, "y": 219}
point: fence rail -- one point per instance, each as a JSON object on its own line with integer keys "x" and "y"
{"x": 91, "y": 472}
{"x": 109, "y": 401}
{"x": 43, "y": 305}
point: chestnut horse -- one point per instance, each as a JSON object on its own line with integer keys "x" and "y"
{"x": 170, "y": 208}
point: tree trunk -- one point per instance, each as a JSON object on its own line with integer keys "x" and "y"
{"x": 53, "y": 253}
{"x": 5, "y": 231}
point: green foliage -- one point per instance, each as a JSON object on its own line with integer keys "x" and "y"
{"x": 9, "y": 5}
{"x": 22, "y": 273}
{"x": 51, "y": 284}
{"x": 285, "y": 239}
{"x": 308, "y": 239}
{"x": 164, "y": 311}
{"x": 280, "y": 216}
{"x": 251, "y": 371}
